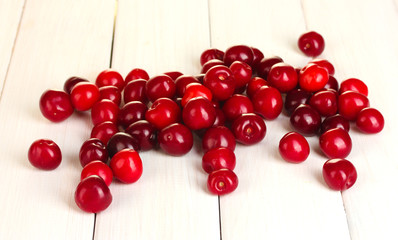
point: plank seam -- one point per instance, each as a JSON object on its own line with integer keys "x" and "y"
{"x": 113, "y": 32}
{"x": 219, "y": 216}
{"x": 209, "y": 20}
{"x": 345, "y": 212}
{"x": 304, "y": 16}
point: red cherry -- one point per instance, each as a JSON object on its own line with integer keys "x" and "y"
{"x": 249, "y": 128}
{"x": 198, "y": 113}
{"x": 220, "y": 118}
{"x": 332, "y": 84}
{"x": 283, "y": 77}
{"x": 97, "y": 168}
{"x": 313, "y": 77}
{"x": 220, "y": 81}
{"x": 335, "y": 143}
{"x": 131, "y": 112}
{"x": 306, "y": 120}
{"x": 182, "y": 83}
{"x": 325, "y": 64}
{"x": 144, "y": 132}
{"x": 355, "y": 85}
{"x": 55, "y": 105}
{"x": 120, "y": 141}
{"x": 237, "y": 105}
{"x": 161, "y": 86}
{"x": 325, "y": 102}
{"x": 294, "y": 148}
{"x": 265, "y": 65}
{"x": 71, "y": 82}
{"x": 91, "y": 150}
{"x": 135, "y": 91}
{"x": 173, "y": 75}
{"x": 295, "y": 98}
{"x": 211, "y": 63}
{"x": 126, "y": 166}
{"x": 218, "y": 158}
{"x": 210, "y": 54}
{"x": 242, "y": 73}
{"x": 111, "y": 93}
{"x": 216, "y": 137}
{"x": 268, "y": 102}
{"x": 44, "y": 154}
{"x": 136, "y": 73}
{"x": 194, "y": 90}
{"x": 84, "y": 95}
{"x": 370, "y": 120}
{"x": 104, "y": 131}
{"x": 103, "y": 111}
{"x": 335, "y": 121}
{"x": 311, "y": 44}
{"x": 257, "y": 57}
{"x": 93, "y": 195}
{"x": 175, "y": 139}
{"x": 339, "y": 174}
{"x": 241, "y": 53}
{"x": 222, "y": 182}
{"x": 254, "y": 84}
{"x": 110, "y": 77}
{"x": 351, "y": 103}
{"x": 163, "y": 112}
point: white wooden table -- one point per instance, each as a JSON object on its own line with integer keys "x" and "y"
{"x": 43, "y": 42}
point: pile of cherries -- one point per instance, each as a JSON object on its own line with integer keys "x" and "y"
{"x": 226, "y": 103}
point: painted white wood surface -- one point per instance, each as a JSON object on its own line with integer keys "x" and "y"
{"x": 170, "y": 200}
{"x": 57, "y": 39}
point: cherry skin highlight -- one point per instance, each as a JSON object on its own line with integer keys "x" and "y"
{"x": 55, "y": 105}
{"x": 335, "y": 143}
{"x": 44, "y": 154}
{"x": 370, "y": 120}
{"x": 339, "y": 174}
{"x": 92, "y": 195}
{"x": 218, "y": 158}
{"x": 126, "y": 166}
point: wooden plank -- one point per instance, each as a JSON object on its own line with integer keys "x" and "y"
{"x": 275, "y": 199}
{"x": 57, "y": 39}
{"x": 362, "y": 44}
{"x": 170, "y": 200}
{"x": 10, "y": 15}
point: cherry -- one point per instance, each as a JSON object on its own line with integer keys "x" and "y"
{"x": 254, "y": 84}
{"x": 135, "y": 91}
{"x": 104, "y": 131}
{"x": 71, "y": 82}
{"x": 210, "y": 64}
{"x": 222, "y": 181}
{"x": 44, "y": 154}
{"x": 103, "y": 111}
{"x": 111, "y": 93}
{"x": 242, "y": 73}
{"x": 84, "y": 95}
{"x": 210, "y": 54}
{"x": 268, "y": 102}
{"x": 339, "y": 174}
{"x": 257, "y": 57}
{"x": 131, "y": 112}
{"x": 144, "y": 132}
{"x": 335, "y": 143}
{"x": 91, "y": 150}
{"x": 311, "y": 44}
{"x": 294, "y": 148}
{"x": 237, "y": 105}
{"x": 283, "y": 77}
{"x": 351, "y": 103}
{"x": 325, "y": 102}
{"x": 182, "y": 83}
{"x": 126, "y": 166}
{"x": 97, "y": 168}
{"x": 332, "y": 84}
{"x": 265, "y": 65}
{"x": 241, "y": 53}
{"x": 335, "y": 121}
{"x": 249, "y": 128}
{"x": 136, "y": 73}
{"x": 110, "y": 77}
{"x": 220, "y": 81}
{"x": 55, "y": 105}
{"x": 296, "y": 97}
{"x": 370, "y": 120}
{"x": 306, "y": 120}
{"x": 198, "y": 113}
{"x": 175, "y": 139}
{"x": 194, "y": 90}
{"x": 325, "y": 64}
{"x": 120, "y": 141}
{"x": 313, "y": 77}
{"x": 216, "y": 137}
{"x": 163, "y": 112}
{"x": 173, "y": 75}
{"x": 93, "y": 195}
{"x": 355, "y": 85}
{"x": 161, "y": 86}
{"x": 218, "y": 158}
{"x": 220, "y": 118}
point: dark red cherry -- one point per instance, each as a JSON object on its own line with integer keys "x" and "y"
{"x": 198, "y": 113}
{"x": 332, "y": 84}
{"x": 210, "y": 54}
{"x": 120, "y": 141}
{"x": 161, "y": 86}
{"x": 339, "y": 174}
{"x": 325, "y": 64}
{"x": 265, "y": 65}
{"x": 91, "y": 150}
{"x": 71, "y": 82}
{"x": 218, "y": 158}
{"x": 97, "y": 168}
{"x": 295, "y": 98}
{"x": 103, "y": 111}
{"x": 173, "y": 75}
{"x": 104, "y": 131}
{"x": 135, "y": 91}
{"x": 136, "y": 73}
{"x": 283, "y": 77}
{"x": 242, "y": 73}
{"x": 131, "y": 112}
{"x": 237, "y": 105}
{"x": 335, "y": 121}
{"x": 111, "y": 93}
{"x": 145, "y": 133}
{"x": 55, "y": 105}
{"x": 325, "y": 102}
{"x": 241, "y": 53}
{"x": 370, "y": 120}
{"x": 311, "y": 44}
{"x": 182, "y": 82}
{"x": 93, "y": 195}
{"x": 221, "y": 182}
{"x": 249, "y": 129}
{"x": 211, "y": 63}
{"x": 216, "y": 137}
{"x": 175, "y": 139}
{"x": 306, "y": 120}
{"x": 221, "y": 82}
{"x": 335, "y": 143}
{"x": 257, "y": 57}
{"x": 294, "y": 148}
{"x": 44, "y": 154}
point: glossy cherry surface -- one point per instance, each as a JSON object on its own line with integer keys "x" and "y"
{"x": 332, "y": 84}
{"x": 182, "y": 83}
{"x": 194, "y": 90}
{"x": 104, "y": 131}
{"x": 163, "y": 112}
{"x": 335, "y": 121}
{"x": 295, "y": 98}
{"x": 335, "y": 143}
{"x": 91, "y": 150}
{"x": 325, "y": 64}
{"x": 254, "y": 84}
{"x": 265, "y": 65}
{"x": 220, "y": 118}
{"x": 221, "y": 182}
{"x": 313, "y": 78}
{"x": 339, "y": 174}
{"x": 97, "y": 168}
{"x": 145, "y": 134}
{"x": 311, "y": 44}
{"x": 218, "y": 158}
{"x": 241, "y": 53}
{"x": 103, "y": 111}
{"x": 237, "y": 105}
{"x": 325, "y": 102}
{"x": 257, "y": 57}
{"x": 242, "y": 73}
{"x": 120, "y": 141}
{"x": 111, "y": 93}
{"x": 135, "y": 91}
{"x": 355, "y": 85}
{"x": 351, "y": 103}
{"x": 110, "y": 77}
{"x": 93, "y": 195}
{"x": 126, "y": 166}
{"x": 161, "y": 86}
{"x": 198, "y": 113}
{"x": 306, "y": 120}
{"x": 44, "y": 154}
{"x": 221, "y": 82}
{"x": 173, "y": 74}
{"x": 370, "y": 120}
{"x": 211, "y": 63}
{"x": 268, "y": 102}
{"x": 175, "y": 139}
{"x": 294, "y": 148}
{"x": 283, "y": 77}
{"x": 71, "y": 82}
{"x": 216, "y": 137}
{"x": 55, "y": 105}
{"x": 136, "y": 73}
{"x": 84, "y": 95}
{"x": 209, "y": 54}
{"x": 249, "y": 128}
{"x": 131, "y": 112}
